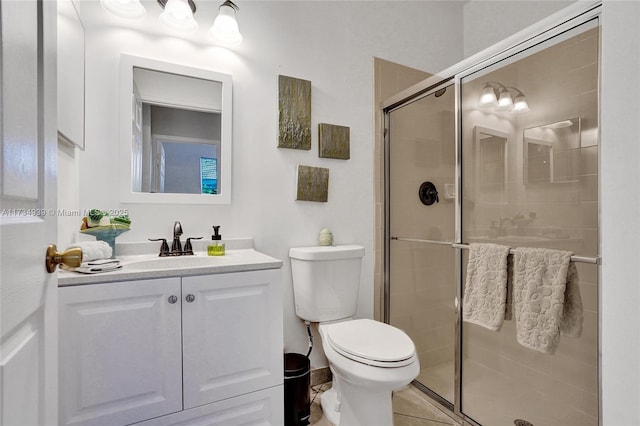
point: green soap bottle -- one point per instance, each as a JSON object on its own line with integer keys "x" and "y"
{"x": 216, "y": 248}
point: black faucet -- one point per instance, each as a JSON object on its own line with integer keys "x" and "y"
{"x": 176, "y": 247}
{"x": 177, "y": 231}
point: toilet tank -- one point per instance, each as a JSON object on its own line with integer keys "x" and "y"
{"x": 326, "y": 281}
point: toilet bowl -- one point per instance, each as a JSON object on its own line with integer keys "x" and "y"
{"x": 369, "y": 360}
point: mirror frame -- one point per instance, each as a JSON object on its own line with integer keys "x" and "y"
{"x": 127, "y": 64}
{"x": 477, "y": 142}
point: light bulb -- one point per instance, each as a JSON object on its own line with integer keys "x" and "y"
{"x": 131, "y": 9}
{"x": 504, "y": 101}
{"x": 224, "y": 30}
{"x": 520, "y": 105}
{"x": 488, "y": 96}
{"x": 178, "y": 16}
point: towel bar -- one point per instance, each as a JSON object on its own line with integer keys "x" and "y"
{"x": 578, "y": 259}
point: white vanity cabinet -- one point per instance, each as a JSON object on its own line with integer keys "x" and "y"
{"x": 231, "y": 336}
{"x": 168, "y": 351}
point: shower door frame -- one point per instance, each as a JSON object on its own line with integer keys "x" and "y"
{"x": 571, "y": 17}
{"x": 416, "y": 96}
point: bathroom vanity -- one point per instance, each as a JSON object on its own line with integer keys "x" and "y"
{"x": 169, "y": 341}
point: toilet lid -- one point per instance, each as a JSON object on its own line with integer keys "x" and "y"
{"x": 371, "y": 342}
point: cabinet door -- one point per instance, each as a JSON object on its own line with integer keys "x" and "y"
{"x": 264, "y": 408}
{"x": 232, "y": 334}
{"x": 120, "y": 359}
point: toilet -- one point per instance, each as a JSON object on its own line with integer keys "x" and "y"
{"x": 368, "y": 359}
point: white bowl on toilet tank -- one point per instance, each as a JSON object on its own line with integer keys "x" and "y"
{"x": 326, "y": 281}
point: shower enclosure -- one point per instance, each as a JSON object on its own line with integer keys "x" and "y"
{"x": 504, "y": 151}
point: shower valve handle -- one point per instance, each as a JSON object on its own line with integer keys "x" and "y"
{"x": 428, "y": 193}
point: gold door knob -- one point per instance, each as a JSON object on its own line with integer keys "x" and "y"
{"x": 71, "y": 257}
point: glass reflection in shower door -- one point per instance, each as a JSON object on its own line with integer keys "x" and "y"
{"x": 422, "y": 285}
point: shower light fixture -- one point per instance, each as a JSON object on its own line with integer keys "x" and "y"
{"x": 224, "y": 30}
{"x": 178, "y": 15}
{"x": 500, "y": 96}
{"x": 131, "y": 9}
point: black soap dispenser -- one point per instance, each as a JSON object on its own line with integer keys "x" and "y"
{"x": 216, "y": 248}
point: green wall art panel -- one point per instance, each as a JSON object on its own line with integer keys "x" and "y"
{"x": 333, "y": 141}
{"x": 313, "y": 184}
{"x": 294, "y": 109}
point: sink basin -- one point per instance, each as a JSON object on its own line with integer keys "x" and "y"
{"x": 177, "y": 262}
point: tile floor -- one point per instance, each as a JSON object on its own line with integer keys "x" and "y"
{"x": 410, "y": 408}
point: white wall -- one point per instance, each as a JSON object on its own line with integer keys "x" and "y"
{"x": 620, "y": 213}
{"x": 487, "y": 22}
{"x": 332, "y": 44}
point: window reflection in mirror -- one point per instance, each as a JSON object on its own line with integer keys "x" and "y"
{"x": 175, "y": 133}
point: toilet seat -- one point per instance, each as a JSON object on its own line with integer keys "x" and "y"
{"x": 371, "y": 342}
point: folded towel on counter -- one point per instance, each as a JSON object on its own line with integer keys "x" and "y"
{"x": 97, "y": 266}
{"x": 93, "y": 250}
{"x": 485, "y": 290}
{"x": 546, "y": 298}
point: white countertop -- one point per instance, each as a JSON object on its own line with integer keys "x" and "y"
{"x": 141, "y": 266}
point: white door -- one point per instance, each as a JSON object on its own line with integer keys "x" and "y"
{"x": 28, "y": 301}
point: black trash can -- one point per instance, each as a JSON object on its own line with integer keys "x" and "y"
{"x": 297, "y": 379}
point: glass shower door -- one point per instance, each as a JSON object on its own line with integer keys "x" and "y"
{"x": 530, "y": 179}
{"x": 421, "y": 271}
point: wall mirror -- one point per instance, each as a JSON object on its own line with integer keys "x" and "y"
{"x": 491, "y": 164}
{"x": 175, "y": 133}
{"x": 552, "y": 152}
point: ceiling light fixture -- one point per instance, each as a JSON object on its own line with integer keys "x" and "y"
{"x": 131, "y": 9}
{"x": 500, "y": 96}
{"x": 178, "y": 15}
{"x": 224, "y": 30}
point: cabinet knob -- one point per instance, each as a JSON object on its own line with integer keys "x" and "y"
{"x": 173, "y": 299}
{"x": 190, "y": 298}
